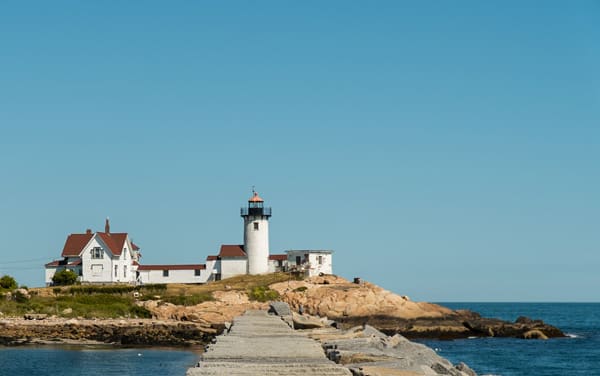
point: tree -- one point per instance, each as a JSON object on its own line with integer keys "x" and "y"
{"x": 64, "y": 277}
{"x": 8, "y": 282}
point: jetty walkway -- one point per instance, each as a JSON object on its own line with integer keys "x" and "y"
{"x": 261, "y": 344}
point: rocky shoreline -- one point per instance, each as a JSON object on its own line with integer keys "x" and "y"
{"x": 348, "y": 304}
{"x": 463, "y": 324}
{"x": 353, "y": 304}
{"x": 131, "y": 332}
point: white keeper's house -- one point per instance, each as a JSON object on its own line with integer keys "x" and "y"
{"x": 105, "y": 257}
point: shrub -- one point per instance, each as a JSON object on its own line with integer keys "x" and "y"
{"x": 140, "y": 312}
{"x": 300, "y": 289}
{"x": 8, "y": 282}
{"x": 87, "y": 290}
{"x": 188, "y": 300}
{"x": 157, "y": 287}
{"x": 64, "y": 277}
{"x": 262, "y": 294}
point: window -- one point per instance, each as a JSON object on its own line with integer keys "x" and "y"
{"x": 97, "y": 253}
{"x": 255, "y": 225}
{"x": 320, "y": 260}
{"x": 165, "y": 273}
{"x": 125, "y": 271}
{"x": 116, "y": 270}
{"x": 97, "y": 270}
{"x": 197, "y": 272}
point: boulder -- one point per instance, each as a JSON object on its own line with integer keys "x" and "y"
{"x": 280, "y": 308}
{"x": 462, "y": 367}
{"x": 441, "y": 369}
{"x": 35, "y": 316}
{"x": 24, "y": 293}
{"x": 306, "y": 321}
{"x": 534, "y": 334}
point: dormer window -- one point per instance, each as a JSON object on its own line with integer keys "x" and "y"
{"x": 97, "y": 253}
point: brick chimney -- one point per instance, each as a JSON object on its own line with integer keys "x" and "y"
{"x": 88, "y": 231}
{"x": 107, "y": 226}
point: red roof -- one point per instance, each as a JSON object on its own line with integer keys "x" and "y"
{"x": 232, "y": 251}
{"x": 255, "y": 198}
{"x": 172, "y": 267}
{"x": 278, "y": 257}
{"x": 134, "y": 246}
{"x": 115, "y": 242}
{"x": 212, "y": 258}
{"x": 57, "y": 263}
{"x": 74, "y": 244}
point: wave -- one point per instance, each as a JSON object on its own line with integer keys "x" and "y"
{"x": 571, "y": 335}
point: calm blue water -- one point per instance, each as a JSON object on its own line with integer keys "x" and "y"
{"x": 71, "y": 361}
{"x": 579, "y": 355}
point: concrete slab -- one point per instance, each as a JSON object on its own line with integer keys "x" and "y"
{"x": 261, "y": 344}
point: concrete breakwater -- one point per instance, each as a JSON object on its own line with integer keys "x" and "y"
{"x": 262, "y": 344}
{"x": 259, "y": 344}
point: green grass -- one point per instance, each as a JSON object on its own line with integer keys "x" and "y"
{"x": 87, "y": 306}
{"x": 262, "y": 294}
{"x": 188, "y": 300}
{"x": 238, "y": 283}
{"x": 112, "y": 289}
{"x": 114, "y": 301}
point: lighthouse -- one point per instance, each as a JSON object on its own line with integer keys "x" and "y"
{"x": 256, "y": 234}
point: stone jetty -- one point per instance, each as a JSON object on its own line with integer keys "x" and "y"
{"x": 261, "y": 344}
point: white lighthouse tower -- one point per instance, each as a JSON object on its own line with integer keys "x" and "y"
{"x": 256, "y": 234}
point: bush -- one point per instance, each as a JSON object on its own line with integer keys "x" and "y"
{"x": 262, "y": 294}
{"x": 8, "y": 282}
{"x": 300, "y": 289}
{"x": 87, "y": 290}
{"x": 188, "y": 300}
{"x": 153, "y": 287}
{"x": 140, "y": 312}
{"x": 64, "y": 277}
{"x": 20, "y": 297}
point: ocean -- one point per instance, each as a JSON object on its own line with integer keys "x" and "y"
{"x": 94, "y": 361}
{"x": 577, "y": 355}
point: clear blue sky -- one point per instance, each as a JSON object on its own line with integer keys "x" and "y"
{"x": 444, "y": 150}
